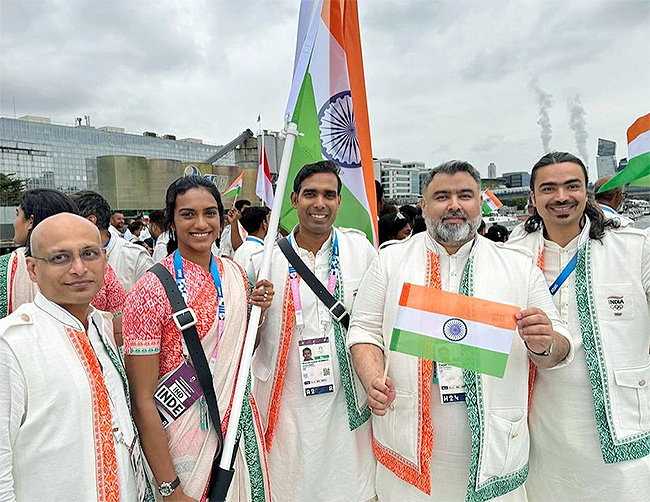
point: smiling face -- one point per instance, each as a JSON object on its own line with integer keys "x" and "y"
{"x": 560, "y": 196}
{"x": 75, "y": 284}
{"x": 317, "y": 203}
{"x": 196, "y": 223}
{"x": 451, "y": 208}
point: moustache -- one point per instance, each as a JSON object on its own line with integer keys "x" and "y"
{"x": 454, "y": 214}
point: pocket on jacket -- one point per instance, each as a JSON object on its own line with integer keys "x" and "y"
{"x": 396, "y": 429}
{"x": 615, "y": 302}
{"x": 506, "y": 442}
{"x": 260, "y": 370}
{"x": 633, "y": 397}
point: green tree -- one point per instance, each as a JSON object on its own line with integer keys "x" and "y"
{"x": 11, "y": 189}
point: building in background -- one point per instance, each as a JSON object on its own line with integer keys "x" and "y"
{"x": 516, "y": 179}
{"x": 492, "y": 170}
{"x": 622, "y": 164}
{"x": 402, "y": 181}
{"x": 606, "y": 158}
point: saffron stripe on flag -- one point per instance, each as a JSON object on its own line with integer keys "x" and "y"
{"x": 462, "y": 356}
{"x": 641, "y": 125}
{"x": 454, "y": 305}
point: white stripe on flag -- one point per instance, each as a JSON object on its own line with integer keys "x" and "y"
{"x": 639, "y": 145}
{"x": 430, "y": 324}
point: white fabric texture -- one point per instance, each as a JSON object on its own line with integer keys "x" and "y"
{"x": 566, "y": 459}
{"x": 245, "y": 251}
{"x": 45, "y": 399}
{"x": 129, "y": 261}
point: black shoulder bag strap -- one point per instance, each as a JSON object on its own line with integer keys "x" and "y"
{"x": 187, "y": 323}
{"x": 336, "y": 308}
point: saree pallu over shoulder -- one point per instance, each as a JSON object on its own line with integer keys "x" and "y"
{"x": 16, "y": 288}
{"x": 192, "y": 447}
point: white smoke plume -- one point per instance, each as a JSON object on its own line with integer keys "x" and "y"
{"x": 545, "y": 101}
{"x": 578, "y": 125}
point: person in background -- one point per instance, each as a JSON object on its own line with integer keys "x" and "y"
{"x": 129, "y": 261}
{"x": 411, "y": 212}
{"x": 611, "y": 201}
{"x": 181, "y": 455}
{"x": 497, "y": 233}
{"x": 66, "y": 432}
{"x": 393, "y": 227}
{"x": 230, "y": 240}
{"x": 133, "y": 231}
{"x": 117, "y": 224}
{"x": 481, "y": 228}
{"x": 255, "y": 221}
{"x": 381, "y": 200}
{"x": 390, "y": 207}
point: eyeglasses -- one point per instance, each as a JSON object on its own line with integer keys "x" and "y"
{"x": 65, "y": 258}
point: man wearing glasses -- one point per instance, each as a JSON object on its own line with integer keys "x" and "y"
{"x": 611, "y": 201}
{"x": 65, "y": 426}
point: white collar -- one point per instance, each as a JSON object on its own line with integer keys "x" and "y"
{"x": 60, "y": 314}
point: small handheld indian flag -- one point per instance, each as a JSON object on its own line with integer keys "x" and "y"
{"x": 236, "y": 187}
{"x": 454, "y": 329}
{"x": 489, "y": 202}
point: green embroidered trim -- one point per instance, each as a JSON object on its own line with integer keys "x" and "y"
{"x": 494, "y": 487}
{"x": 356, "y": 417}
{"x": 4, "y": 297}
{"x": 251, "y": 450}
{"x": 638, "y": 445}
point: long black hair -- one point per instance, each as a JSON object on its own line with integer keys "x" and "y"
{"x": 179, "y": 187}
{"x": 598, "y": 222}
{"x": 41, "y": 203}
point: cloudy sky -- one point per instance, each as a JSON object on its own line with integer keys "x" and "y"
{"x": 445, "y": 79}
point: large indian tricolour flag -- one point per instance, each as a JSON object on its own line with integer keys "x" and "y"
{"x": 328, "y": 104}
{"x": 454, "y": 329}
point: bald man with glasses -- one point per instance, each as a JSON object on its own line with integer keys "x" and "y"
{"x": 65, "y": 425}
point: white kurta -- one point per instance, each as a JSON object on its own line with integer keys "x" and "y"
{"x": 47, "y": 448}
{"x": 314, "y": 455}
{"x": 450, "y": 460}
{"x": 244, "y": 252}
{"x": 129, "y": 261}
{"x": 566, "y": 453}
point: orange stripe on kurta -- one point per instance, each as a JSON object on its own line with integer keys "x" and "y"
{"x": 640, "y": 126}
{"x": 12, "y": 277}
{"x": 417, "y": 475}
{"x": 288, "y": 323}
{"x": 108, "y": 487}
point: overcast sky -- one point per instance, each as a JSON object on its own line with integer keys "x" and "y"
{"x": 445, "y": 79}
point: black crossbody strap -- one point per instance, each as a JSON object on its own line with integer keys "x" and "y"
{"x": 336, "y": 308}
{"x": 196, "y": 352}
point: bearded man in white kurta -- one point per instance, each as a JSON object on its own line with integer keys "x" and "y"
{"x": 65, "y": 426}
{"x": 590, "y": 422}
{"x": 475, "y": 448}
{"x": 318, "y": 437}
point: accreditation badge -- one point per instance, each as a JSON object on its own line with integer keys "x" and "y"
{"x": 451, "y": 383}
{"x": 316, "y": 366}
{"x": 176, "y": 392}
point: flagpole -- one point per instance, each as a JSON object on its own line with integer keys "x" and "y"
{"x": 225, "y": 472}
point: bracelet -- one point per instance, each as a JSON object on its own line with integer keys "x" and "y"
{"x": 546, "y": 353}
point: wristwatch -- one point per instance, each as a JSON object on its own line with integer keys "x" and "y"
{"x": 167, "y": 488}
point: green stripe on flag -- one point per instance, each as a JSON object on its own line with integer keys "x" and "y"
{"x": 454, "y": 353}
{"x": 486, "y": 208}
{"x": 636, "y": 173}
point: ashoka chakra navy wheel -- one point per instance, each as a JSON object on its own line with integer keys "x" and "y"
{"x": 454, "y": 329}
{"x": 338, "y": 134}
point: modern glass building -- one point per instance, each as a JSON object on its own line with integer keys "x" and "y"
{"x": 64, "y": 157}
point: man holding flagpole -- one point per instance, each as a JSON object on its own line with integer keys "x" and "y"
{"x": 590, "y": 422}
{"x": 316, "y": 424}
{"x": 480, "y": 450}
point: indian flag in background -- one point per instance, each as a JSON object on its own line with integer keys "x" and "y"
{"x": 489, "y": 202}
{"x": 236, "y": 186}
{"x": 454, "y": 329}
{"x": 637, "y": 171}
{"x": 328, "y": 104}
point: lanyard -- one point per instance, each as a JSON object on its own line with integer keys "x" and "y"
{"x": 182, "y": 287}
{"x": 294, "y": 279}
{"x": 252, "y": 238}
{"x": 564, "y": 275}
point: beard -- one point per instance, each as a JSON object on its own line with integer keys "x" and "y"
{"x": 453, "y": 234}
